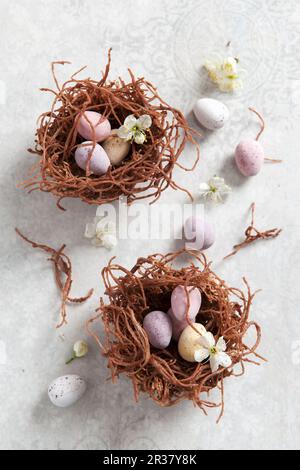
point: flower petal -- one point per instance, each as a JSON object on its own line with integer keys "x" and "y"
{"x": 139, "y": 137}
{"x": 207, "y": 340}
{"x": 123, "y": 132}
{"x": 109, "y": 241}
{"x": 90, "y": 230}
{"x": 221, "y": 344}
{"x": 130, "y": 121}
{"x": 201, "y": 354}
{"x": 214, "y": 365}
{"x": 144, "y": 122}
{"x": 204, "y": 187}
{"x": 223, "y": 359}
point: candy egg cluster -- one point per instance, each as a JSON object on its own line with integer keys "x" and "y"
{"x": 93, "y": 127}
{"x": 161, "y": 327}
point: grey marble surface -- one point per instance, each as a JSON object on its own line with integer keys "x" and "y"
{"x": 167, "y": 41}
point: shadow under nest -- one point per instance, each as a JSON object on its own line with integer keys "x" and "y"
{"x": 163, "y": 374}
{"x": 147, "y": 170}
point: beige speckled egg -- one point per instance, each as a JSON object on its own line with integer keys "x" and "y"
{"x": 188, "y": 341}
{"x": 116, "y": 148}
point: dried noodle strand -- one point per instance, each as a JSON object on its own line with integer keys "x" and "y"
{"x": 63, "y": 275}
{"x": 252, "y": 234}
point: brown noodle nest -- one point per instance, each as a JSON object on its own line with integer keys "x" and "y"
{"x": 163, "y": 374}
{"x": 145, "y": 172}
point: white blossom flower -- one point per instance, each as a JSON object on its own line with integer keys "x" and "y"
{"x": 215, "y": 352}
{"x": 225, "y": 73}
{"x": 215, "y": 189}
{"x": 80, "y": 349}
{"x": 135, "y": 128}
{"x": 102, "y": 232}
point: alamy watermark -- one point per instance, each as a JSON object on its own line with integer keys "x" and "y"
{"x": 142, "y": 221}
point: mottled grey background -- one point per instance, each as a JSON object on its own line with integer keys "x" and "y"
{"x": 167, "y": 41}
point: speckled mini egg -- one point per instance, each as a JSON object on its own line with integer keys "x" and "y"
{"x": 116, "y": 148}
{"x": 211, "y": 113}
{"x": 249, "y": 157}
{"x": 179, "y": 303}
{"x": 91, "y": 122}
{"x": 158, "y": 327}
{"x": 188, "y": 341}
{"x": 66, "y": 390}
{"x": 177, "y": 326}
{"x": 199, "y": 233}
{"x": 99, "y": 162}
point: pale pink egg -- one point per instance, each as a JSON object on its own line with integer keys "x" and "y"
{"x": 249, "y": 157}
{"x": 158, "y": 327}
{"x": 177, "y": 326}
{"x": 91, "y": 122}
{"x": 179, "y": 303}
{"x": 199, "y": 233}
{"x": 99, "y": 162}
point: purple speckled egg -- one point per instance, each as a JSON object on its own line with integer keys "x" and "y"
{"x": 249, "y": 157}
{"x": 91, "y": 122}
{"x": 179, "y": 303}
{"x": 198, "y": 233}
{"x": 177, "y": 326}
{"x": 158, "y": 327}
{"x": 99, "y": 162}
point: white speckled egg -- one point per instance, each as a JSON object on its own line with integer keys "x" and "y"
{"x": 116, "y": 148}
{"x": 249, "y": 157}
{"x": 179, "y": 302}
{"x": 188, "y": 341}
{"x": 99, "y": 162}
{"x": 198, "y": 233}
{"x": 158, "y": 327}
{"x": 66, "y": 390}
{"x": 211, "y": 113}
{"x": 91, "y": 122}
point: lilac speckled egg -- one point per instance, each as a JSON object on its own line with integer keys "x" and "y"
{"x": 198, "y": 233}
{"x": 179, "y": 302}
{"x": 249, "y": 157}
{"x": 91, "y": 121}
{"x": 177, "y": 326}
{"x": 99, "y": 162}
{"x": 211, "y": 113}
{"x": 158, "y": 327}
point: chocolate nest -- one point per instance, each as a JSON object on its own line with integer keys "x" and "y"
{"x": 147, "y": 170}
{"x": 163, "y": 374}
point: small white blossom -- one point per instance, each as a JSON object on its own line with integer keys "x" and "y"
{"x": 215, "y": 189}
{"x": 215, "y": 352}
{"x": 102, "y": 233}
{"x": 135, "y": 128}
{"x": 225, "y": 73}
{"x": 80, "y": 349}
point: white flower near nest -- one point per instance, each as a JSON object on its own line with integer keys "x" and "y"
{"x": 102, "y": 233}
{"x": 134, "y": 129}
{"x": 215, "y": 352}
{"x": 225, "y": 73}
{"x": 215, "y": 189}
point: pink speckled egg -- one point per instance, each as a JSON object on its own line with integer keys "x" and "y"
{"x": 249, "y": 157}
{"x": 179, "y": 303}
{"x": 198, "y": 233}
{"x": 177, "y": 326}
{"x": 158, "y": 327}
{"x": 99, "y": 162}
{"x": 91, "y": 122}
